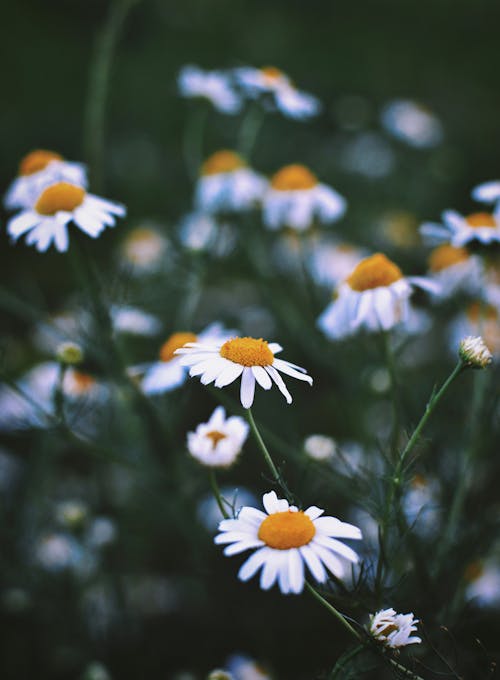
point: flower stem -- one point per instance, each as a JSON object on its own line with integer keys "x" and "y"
{"x": 194, "y": 132}
{"x": 217, "y": 494}
{"x": 267, "y": 456}
{"x": 340, "y": 617}
{"x": 249, "y": 130}
{"x": 99, "y": 78}
{"x": 391, "y": 367}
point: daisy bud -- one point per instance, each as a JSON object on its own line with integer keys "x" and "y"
{"x": 394, "y": 630}
{"x": 474, "y": 353}
{"x": 69, "y": 353}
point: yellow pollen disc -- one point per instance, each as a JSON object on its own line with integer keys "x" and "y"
{"x": 446, "y": 256}
{"x": 285, "y": 530}
{"x": 247, "y": 352}
{"x": 271, "y": 73}
{"x": 37, "y": 160}
{"x": 373, "y": 272}
{"x": 60, "y": 196}
{"x": 215, "y": 436}
{"x": 222, "y": 161}
{"x": 477, "y": 220}
{"x": 293, "y": 177}
{"x": 175, "y": 341}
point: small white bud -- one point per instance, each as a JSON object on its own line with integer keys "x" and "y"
{"x": 69, "y": 353}
{"x": 474, "y": 353}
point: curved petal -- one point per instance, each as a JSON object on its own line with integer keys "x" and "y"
{"x": 262, "y": 377}
{"x": 253, "y": 564}
{"x": 247, "y": 390}
{"x": 279, "y": 382}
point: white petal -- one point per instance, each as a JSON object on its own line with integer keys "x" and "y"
{"x": 331, "y": 526}
{"x": 247, "y": 389}
{"x": 329, "y": 560}
{"x": 229, "y": 374}
{"x": 22, "y": 223}
{"x": 269, "y": 572}
{"x": 337, "y": 546}
{"x": 285, "y": 367}
{"x": 241, "y": 546}
{"x": 275, "y": 348}
{"x": 262, "y": 377}
{"x": 271, "y": 503}
{"x": 253, "y": 564}
{"x": 314, "y": 563}
{"x": 313, "y": 512}
{"x": 279, "y": 382}
{"x": 295, "y": 570}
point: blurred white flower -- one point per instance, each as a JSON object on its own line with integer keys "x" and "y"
{"x": 483, "y": 583}
{"x": 375, "y": 297}
{"x": 38, "y": 170}
{"x": 281, "y": 94}
{"x": 460, "y": 231}
{"x": 144, "y": 250}
{"x": 101, "y": 532}
{"x": 243, "y": 667}
{"x": 319, "y": 447}
{"x": 71, "y": 514}
{"x": 46, "y": 222}
{"x": 295, "y": 198}
{"x": 394, "y": 630}
{"x": 455, "y": 269}
{"x": 479, "y": 319}
{"x": 227, "y": 184}
{"x": 488, "y": 192}
{"x": 127, "y": 319}
{"x": 218, "y": 442}
{"x": 330, "y": 262}
{"x": 412, "y": 123}
{"x": 212, "y": 85}
{"x": 202, "y": 232}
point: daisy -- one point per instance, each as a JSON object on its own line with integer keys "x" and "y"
{"x": 38, "y": 170}
{"x": 394, "y": 630}
{"x": 227, "y": 184}
{"x": 135, "y": 321}
{"x": 286, "y": 539}
{"x": 144, "y": 249}
{"x": 168, "y": 373}
{"x": 488, "y": 192}
{"x": 282, "y": 94}
{"x": 295, "y": 198}
{"x": 215, "y": 86}
{"x": 218, "y": 442}
{"x": 58, "y": 204}
{"x": 412, "y": 123}
{"x": 455, "y": 269}
{"x": 201, "y": 232}
{"x": 251, "y": 358}
{"x": 460, "y": 231}
{"x": 374, "y": 297}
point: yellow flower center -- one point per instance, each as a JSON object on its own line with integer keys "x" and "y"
{"x": 446, "y": 256}
{"x": 81, "y": 383}
{"x": 222, "y": 161}
{"x": 215, "y": 436}
{"x": 271, "y": 73}
{"x": 285, "y": 530}
{"x": 293, "y": 178}
{"x": 373, "y": 272}
{"x": 37, "y": 160}
{"x": 60, "y": 196}
{"x": 247, "y": 352}
{"x": 175, "y": 341}
{"x": 477, "y": 220}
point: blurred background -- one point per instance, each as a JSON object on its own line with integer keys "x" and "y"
{"x": 107, "y": 566}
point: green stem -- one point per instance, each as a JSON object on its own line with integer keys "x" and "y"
{"x": 249, "y": 130}
{"x": 267, "y": 456}
{"x": 391, "y": 367}
{"x": 340, "y": 617}
{"x": 193, "y": 139}
{"x": 99, "y": 78}
{"x": 217, "y": 494}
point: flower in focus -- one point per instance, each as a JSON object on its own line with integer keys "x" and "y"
{"x": 285, "y": 540}
{"x": 218, "y": 442}
{"x": 473, "y": 352}
{"x": 251, "y": 358}
{"x": 58, "y": 204}
{"x": 227, "y": 184}
{"x": 215, "y": 86}
{"x": 459, "y": 231}
{"x": 455, "y": 269}
{"x": 38, "y": 170}
{"x": 319, "y": 447}
{"x": 375, "y": 297}
{"x": 394, "y": 630}
{"x": 488, "y": 192}
{"x": 168, "y": 373}
{"x": 144, "y": 250}
{"x": 412, "y": 123}
{"x": 281, "y": 94}
{"x": 295, "y": 198}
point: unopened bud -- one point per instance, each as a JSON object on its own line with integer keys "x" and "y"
{"x": 69, "y": 353}
{"x": 474, "y": 353}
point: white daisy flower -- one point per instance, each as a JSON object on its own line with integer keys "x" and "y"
{"x": 375, "y": 297}
{"x": 218, "y": 442}
{"x": 479, "y": 319}
{"x": 202, "y": 232}
{"x": 483, "y": 583}
{"x": 330, "y": 262}
{"x": 277, "y": 85}
{"x": 227, "y": 184}
{"x": 394, "y": 630}
{"x": 168, "y": 373}
{"x": 58, "y": 204}
{"x": 295, "y": 198}
{"x": 488, "y": 192}
{"x": 412, "y": 123}
{"x": 251, "y": 358}
{"x": 144, "y": 250}
{"x": 460, "y": 231}
{"x": 455, "y": 269}
{"x": 38, "y": 170}
{"x": 212, "y": 85}
{"x": 474, "y": 352}
{"x": 285, "y": 540}
{"x": 320, "y": 447}
{"x": 135, "y": 321}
